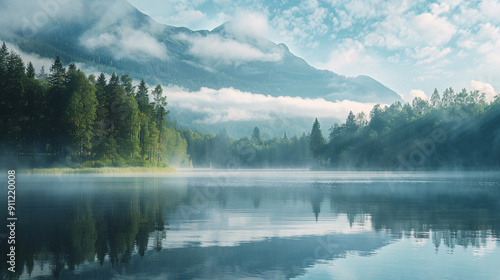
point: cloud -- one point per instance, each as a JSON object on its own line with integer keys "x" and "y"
{"x": 248, "y": 24}
{"x": 37, "y": 60}
{"x": 426, "y": 55}
{"x": 126, "y": 43}
{"x": 491, "y": 9}
{"x": 432, "y": 29}
{"x": 484, "y": 88}
{"x": 414, "y": 93}
{"x": 109, "y": 24}
{"x": 228, "y": 104}
{"x": 215, "y": 48}
{"x": 348, "y": 58}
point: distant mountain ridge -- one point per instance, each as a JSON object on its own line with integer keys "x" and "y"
{"x": 108, "y": 36}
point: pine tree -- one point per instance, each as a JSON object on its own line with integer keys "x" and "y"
{"x": 448, "y": 97}
{"x": 317, "y": 141}
{"x": 435, "y": 99}
{"x": 351, "y": 125}
{"x": 160, "y": 112}
{"x": 81, "y": 111}
{"x": 13, "y": 99}
{"x": 256, "y": 136}
{"x": 142, "y": 96}
{"x": 30, "y": 71}
{"x": 57, "y": 103}
{"x": 57, "y": 73}
{"x": 126, "y": 82}
{"x": 4, "y": 52}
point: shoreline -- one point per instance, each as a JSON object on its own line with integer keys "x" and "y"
{"x": 97, "y": 170}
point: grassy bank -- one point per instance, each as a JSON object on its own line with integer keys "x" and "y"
{"x": 99, "y": 170}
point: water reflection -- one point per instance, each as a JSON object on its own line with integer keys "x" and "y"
{"x": 98, "y": 227}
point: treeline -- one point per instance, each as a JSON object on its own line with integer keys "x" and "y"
{"x": 64, "y": 118}
{"x": 455, "y": 130}
{"x": 222, "y": 151}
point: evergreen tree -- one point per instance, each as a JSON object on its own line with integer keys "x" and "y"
{"x": 30, "y": 71}
{"x": 317, "y": 141}
{"x": 57, "y": 103}
{"x": 448, "y": 98}
{"x": 351, "y": 125}
{"x": 13, "y": 99}
{"x": 127, "y": 84}
{"x": 81, "y": 112}
{"x": 435, "y": 99}
{"x": 57, "y": 73}
{"x": 142, "y": 96}
{"x": 160, "y": 113}
{"x": 256, "y": 136}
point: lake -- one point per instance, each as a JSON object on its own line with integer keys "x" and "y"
{"x": 256, "y": 224}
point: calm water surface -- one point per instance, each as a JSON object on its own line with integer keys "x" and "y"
{"x": 220, "y": 224}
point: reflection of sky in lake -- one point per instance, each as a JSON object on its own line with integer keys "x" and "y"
{"x": 262, "y": 225}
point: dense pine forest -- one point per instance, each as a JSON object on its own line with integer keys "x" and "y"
{"x": 63, "y": 118}
{"x": 454, "y": 130}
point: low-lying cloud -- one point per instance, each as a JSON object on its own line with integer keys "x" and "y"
{"x": 37, "y": 60}
{"x": 218, "y": 49}
{"x": 126, "y": 43}
{"x": 229, "y": 105}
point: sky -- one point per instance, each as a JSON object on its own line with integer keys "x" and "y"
{"x": 410, "y": 46}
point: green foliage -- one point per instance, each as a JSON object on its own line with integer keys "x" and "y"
{"x": 222, "y": 151}
{"x": 176, "y": 149}
{"x": 457, "y": 131}
{"x": 81, "y": 112}
{"x": 30, "y": 71}
{"x": 69, "y": 119}
{"x": 317, "y": 141}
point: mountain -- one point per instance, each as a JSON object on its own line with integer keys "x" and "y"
{"x": 113, "y": 36}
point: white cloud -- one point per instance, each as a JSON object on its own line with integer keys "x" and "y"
{"x": 248, "y": 24}
{"x": 484, "y": 88}
{"x": 126, "y": 43}
{"x": 491, "y": 9}
{"x": 214, "y": 47}
{"x": 432, "y": 29}
{"x": 414, "y": 93}
{"x": 348, "y": 58}
{"x": 467, "y": 17}
{"x": 440, "y": 8}
{"x": 230, "y": 104}
{"x": 426, "y": 55}
{"x": 188, "y": 17}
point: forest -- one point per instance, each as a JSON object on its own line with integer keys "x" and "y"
{"x": 65, "y": 118}
{"x": 455, "y": 130}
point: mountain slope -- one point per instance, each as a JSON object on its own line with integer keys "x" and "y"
{"x": 114, "y": 36}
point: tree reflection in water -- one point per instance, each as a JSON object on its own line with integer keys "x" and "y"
{"x": 101, "y": 220}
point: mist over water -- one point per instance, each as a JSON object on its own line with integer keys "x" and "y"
{"x": 228, "y": 224}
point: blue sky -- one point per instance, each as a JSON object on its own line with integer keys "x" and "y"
{"x": 410, "y": 46}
